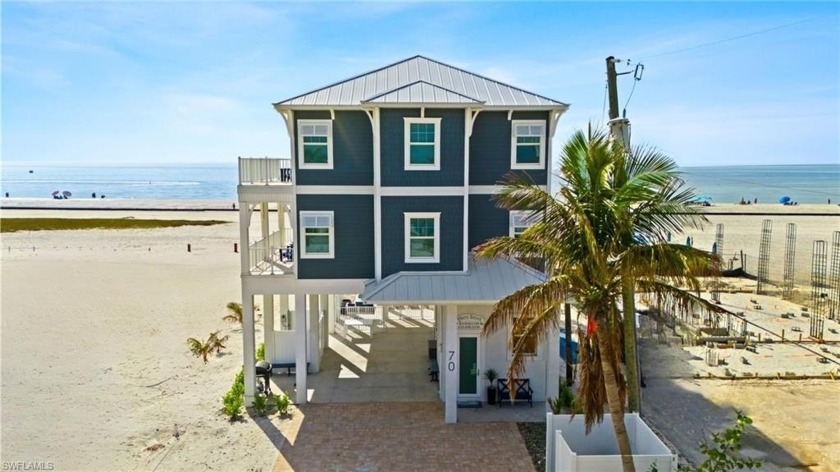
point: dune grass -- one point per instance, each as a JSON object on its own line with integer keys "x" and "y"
{"x": 12, "y": 225}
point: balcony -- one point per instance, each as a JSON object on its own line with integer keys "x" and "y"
{"x": 264, "y": 171}
{"x": 273, "y": 255}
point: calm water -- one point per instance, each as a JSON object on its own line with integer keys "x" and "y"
{"x": 802, "y": 183}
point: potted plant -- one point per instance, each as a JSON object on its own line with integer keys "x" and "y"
{"x": 491, "y": 375}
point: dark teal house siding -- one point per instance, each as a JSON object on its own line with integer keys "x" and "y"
{"x": 353, "y": 237}
{"x": 392, "y": 139}
{"x": 352, "y": 150}
{"x": 490, "y": 147}
{"x": 486, "y": 220}
{"x": 451, "y": 232}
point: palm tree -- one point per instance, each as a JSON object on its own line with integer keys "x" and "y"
{"x": 603, "y": 234}
{"x": 203, "y": 349}
{"x": 235, "y": 312}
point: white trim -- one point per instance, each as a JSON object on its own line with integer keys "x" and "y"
{"x": 490, "y": 189}
{"x": 469, "y": 119}
{"x": 407, "y": 143}
{"x": 407, "y": 238}
{"x": 335, "y": 190}
{"x": 331, "y": 235}
{"x": 377, "y": 196}
{"x": 513, "y": 144}
{"x": 422, "y": 191}
{"x": 328, "y": 124}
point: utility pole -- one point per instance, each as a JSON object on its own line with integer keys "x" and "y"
{"x": 620, "y": 131}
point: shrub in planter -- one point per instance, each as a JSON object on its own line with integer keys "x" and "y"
{"x": 281, "y": 403}
{"x": 491, "y": 375}
{"x": 260, "y": 404}
{"x": 232, "y": 402}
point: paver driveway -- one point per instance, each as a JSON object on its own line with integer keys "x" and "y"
{"x": 405, "y": 436}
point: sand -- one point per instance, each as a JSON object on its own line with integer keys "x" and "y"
{"x": 94, "y": 364}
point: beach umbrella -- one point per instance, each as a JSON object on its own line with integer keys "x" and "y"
{"x": 55, "y": 192}
{"x": 784, "y": 199}
{"x": 66, "y": 194}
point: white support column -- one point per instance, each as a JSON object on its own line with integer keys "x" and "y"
{"x": 284, "y": 310}
{"x": 451, "y": 359}
{"x": 268, "y": 326}
{"x": 264, "y": 227}
{"x": 377, "y": 197}
{"x": 331, "y": 305}
{"x": 248, "y": 349}
{"x": 324, "y": 335}
{"x": 300, "y": 348}
{"x": 244, "y": 248}
{"x": 314, "y": 329}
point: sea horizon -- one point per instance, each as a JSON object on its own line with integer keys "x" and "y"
{"x": 802, "y": 183}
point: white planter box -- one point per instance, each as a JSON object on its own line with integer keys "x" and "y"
{"x": 568, "y": 449}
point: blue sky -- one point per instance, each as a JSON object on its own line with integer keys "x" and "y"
{"x": 193, "y": 82}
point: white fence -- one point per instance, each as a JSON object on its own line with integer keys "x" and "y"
{"x": 569, "y": 449}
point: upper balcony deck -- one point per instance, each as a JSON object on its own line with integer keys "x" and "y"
{"x": 264, "y": 178}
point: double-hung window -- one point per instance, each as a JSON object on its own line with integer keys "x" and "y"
{"x": 422, "y": 237}
{"x": 315, "y": 144}
{"x": 317, "y": 235}
{"x": 527, "y": 145}
{"x": 529, "y": 348}
{"x": 520, "y": 221}
{"x": 422, "y": 143}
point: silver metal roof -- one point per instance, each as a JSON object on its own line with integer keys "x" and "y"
{"x": 421, "y": 92}
{"x": 485, "y": 282}
{"x": 418, "y": 76}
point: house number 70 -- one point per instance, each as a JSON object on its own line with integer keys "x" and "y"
{"x": 451, "y": 365}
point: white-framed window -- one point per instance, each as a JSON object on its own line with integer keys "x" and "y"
{"x": 315, "y": 147}
{"x": 527, "y": 145}
{"x": 317, "y": 235}
{"x": 530, "y": 349}
{"x": 422, "y": 237}
{"x": 422, "y": 143}
{"x": 520, "y": 221}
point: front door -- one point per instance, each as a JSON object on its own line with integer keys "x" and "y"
{"x": 468, "y": 378}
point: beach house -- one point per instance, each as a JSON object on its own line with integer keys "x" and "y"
{"x": 387, "y": 189}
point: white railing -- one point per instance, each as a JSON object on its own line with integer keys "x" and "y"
{"x": 274, "y": 254}
{"x": 264, "y": 170}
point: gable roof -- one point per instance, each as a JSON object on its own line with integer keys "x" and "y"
{"x": 420, "y": 78}
{"x": 485, "y": 282}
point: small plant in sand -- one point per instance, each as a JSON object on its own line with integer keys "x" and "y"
{"x": 281, "y": 403}
{"x": 232, "y": 402}
{"x": 235, "y": 312}
{"x": 203, "y": 349}
{"x": 260, "y": 404}
{"x": 721, "y": 455}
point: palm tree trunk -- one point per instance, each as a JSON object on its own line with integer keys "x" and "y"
{"x": 613, "y": 398}
{"x": 628, "y": 295}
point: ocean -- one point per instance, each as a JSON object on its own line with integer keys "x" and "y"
{"x": 802, "y": 183}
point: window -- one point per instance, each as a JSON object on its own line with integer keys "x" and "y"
{"x": 422, "y": 143}
{"x": 317, "y": 235}
{"x": 422, "y": 237}
{"x": 527, "y": 145}
{"x": 530, "y": 348}
{"x": 315, "y": 144}
{"x": 520, "y": 221}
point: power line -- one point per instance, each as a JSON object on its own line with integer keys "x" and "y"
{"x": 733, "y": 38}
{"x": 604, "y": 106}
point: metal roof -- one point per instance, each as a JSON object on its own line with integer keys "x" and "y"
{"x": 484, "y": 282}
{"x": 404, "y": 81}
{"x": 421, "y": 92}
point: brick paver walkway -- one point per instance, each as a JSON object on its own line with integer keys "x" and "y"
{"x": 408, "y": 436}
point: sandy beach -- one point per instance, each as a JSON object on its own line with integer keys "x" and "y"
{"x": 95, "y": 367}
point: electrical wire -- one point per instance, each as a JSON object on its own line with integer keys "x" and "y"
{"x": 604, "y": 106}
{"x": 733, "y": 38}
{"x": 633, "y": 89}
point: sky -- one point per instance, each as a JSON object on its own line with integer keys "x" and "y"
{"x": 126, "y": 83}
